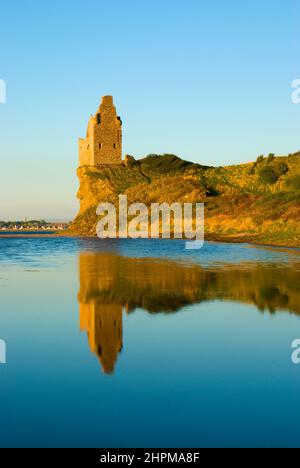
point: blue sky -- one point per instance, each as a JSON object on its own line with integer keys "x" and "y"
{"x": 209, "y": 81}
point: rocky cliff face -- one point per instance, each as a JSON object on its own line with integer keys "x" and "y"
{"x": 250, "y": 202}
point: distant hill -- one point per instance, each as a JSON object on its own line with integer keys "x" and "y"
{"x": 257, "y": 201}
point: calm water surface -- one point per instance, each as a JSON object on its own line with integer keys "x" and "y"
{"x": 142, "y": 343}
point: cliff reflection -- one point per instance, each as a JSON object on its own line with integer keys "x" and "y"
{"x": 109, "y": 283}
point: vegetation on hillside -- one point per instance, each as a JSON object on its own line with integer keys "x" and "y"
{"x": 257, "y": 201}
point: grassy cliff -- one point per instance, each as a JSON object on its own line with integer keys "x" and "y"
{"x": 257, "y": 202}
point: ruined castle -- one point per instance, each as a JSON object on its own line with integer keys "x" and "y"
{"x": 103, "y": 142}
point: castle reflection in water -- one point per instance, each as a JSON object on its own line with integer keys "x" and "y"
{"x": 111, "y": 285}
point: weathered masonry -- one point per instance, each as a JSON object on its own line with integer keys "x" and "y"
{"x": 103, "y": 142}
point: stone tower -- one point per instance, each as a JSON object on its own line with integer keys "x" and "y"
{"x": 103, "y": 142}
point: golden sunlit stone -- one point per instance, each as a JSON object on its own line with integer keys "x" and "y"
{"x": 103, "y": 142}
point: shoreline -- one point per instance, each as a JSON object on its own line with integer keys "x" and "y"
{"x": 229, "y": 239}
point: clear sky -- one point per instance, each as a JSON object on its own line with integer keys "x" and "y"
{"x": 207, "y": 80}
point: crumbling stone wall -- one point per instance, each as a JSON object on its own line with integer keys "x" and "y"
{"x": 103, "y": 142}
